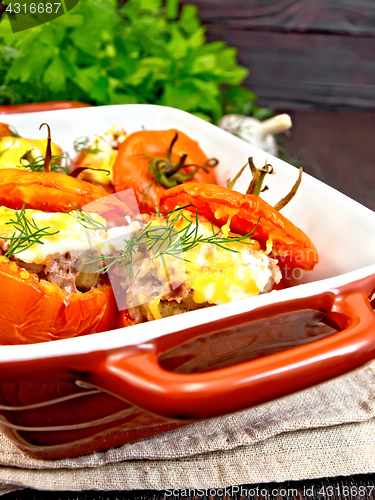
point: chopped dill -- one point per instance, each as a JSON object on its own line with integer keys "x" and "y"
{"x": 81, "y": 145}
{"x": 27, "y": 233}
{"x": 36, "y": 164}
{"x": 85, "y": 218}
{"x": 167, "y": 240}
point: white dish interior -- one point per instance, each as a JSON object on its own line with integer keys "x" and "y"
{"x": 342, "y": 230}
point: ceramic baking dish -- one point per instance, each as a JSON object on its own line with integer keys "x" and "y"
{"x": 80, "y": 395}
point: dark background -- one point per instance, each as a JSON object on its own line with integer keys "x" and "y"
{"x": 361, "y": 487}
{"x": 301, "y": 53}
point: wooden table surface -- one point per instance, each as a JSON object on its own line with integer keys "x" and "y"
{"x": 342, "y": 488}
{"x": 337, "y": 147}
{"x": 301, "y": 53}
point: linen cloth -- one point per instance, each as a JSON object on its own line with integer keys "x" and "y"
{"x": 328, "y": 430}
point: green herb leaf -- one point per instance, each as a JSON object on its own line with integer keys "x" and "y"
{"x": 143, "y": 52}
{"x": 55, "y": 75}
{"x": 85, "y": 218}
{"x": 171, "y": 9}
{"x": 167, "y": 240}
{"x": 26, "y": 234}
{"x": 82, "y": 145}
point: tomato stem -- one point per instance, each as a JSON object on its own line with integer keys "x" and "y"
{"x": 259, "y": 174}
{"x": 48, "y": 157}
{"x": 284, "y": 201}
{"x": 168, "y": 174}
{"x": 78, "y": 170}
{"x": 256, "y": 184}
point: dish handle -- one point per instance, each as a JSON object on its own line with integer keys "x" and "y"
{"x": 40, "y": 106}
{"x": 135, "y": 374}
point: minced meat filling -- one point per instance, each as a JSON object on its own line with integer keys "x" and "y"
{"x": 177, "y": 302}
{"x": 4, "y": 245}
{"x": 58, "y": 269}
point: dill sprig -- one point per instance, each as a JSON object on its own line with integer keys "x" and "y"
{"x": 85, "y": 218}
{"x": 167, "y": 240}
{"x": 81, "y": 145}
{"x": 36, "y": 164}
{"x": 27, "y": 233}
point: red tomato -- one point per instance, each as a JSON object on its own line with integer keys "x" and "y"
{"x": 34, "y": 310}
{"x": 144, "y": 151}
{"x": 289, "y": 243}
{"x": 47, "y": 191}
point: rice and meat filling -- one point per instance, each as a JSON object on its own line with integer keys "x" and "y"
{"x": 184, "y": 299}
{"x": 47, "y": 245}
{"x": 208, "y": 274}
{"x": 208, "y": 266}
{"x": 58, "y": 269}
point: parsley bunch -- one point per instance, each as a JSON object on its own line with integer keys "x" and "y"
{"x": 143, "y": 52}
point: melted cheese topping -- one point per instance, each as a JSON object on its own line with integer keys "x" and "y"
{"x": 216, "y": 274}
{"x": 154, "y": 308}
{"x": 71, "y": 234}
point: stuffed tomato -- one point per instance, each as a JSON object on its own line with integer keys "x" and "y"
{"x": 152, "y": 161}
{"x": 47, "y": 191}
{"x": 19, "y": 152}
{"x": 244, "y": 213}
{"x": 97, "y": 159}
{"x": 44, "y": 296}
{"x": 180, "y": 262}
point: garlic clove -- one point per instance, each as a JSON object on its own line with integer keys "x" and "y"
{"x": 260, "y": 134}
{"x": 275, "y": 125}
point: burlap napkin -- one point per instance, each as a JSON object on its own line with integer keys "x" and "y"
{"x": 327, "y": 430}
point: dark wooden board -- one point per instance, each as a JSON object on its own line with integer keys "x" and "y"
{"x": 350, "y": 16}
{"x": 301, "y": 53}
{"x": 361, "y": 487}
{"x": 338, "y": 148}
{"x": 304, "y": 70}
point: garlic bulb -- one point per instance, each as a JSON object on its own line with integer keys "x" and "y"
{"x": 260, "y": 134}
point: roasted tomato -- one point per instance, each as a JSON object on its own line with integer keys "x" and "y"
{"x": 245, "y": 213}
{"x": 46, "y": 292}
{"x": 152, "y": 161}
{"x": 33, "y": 310}
{"x": 5, "y": 130}
{"x": 47, "y": 191}
{"x": 125, "y": 320}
